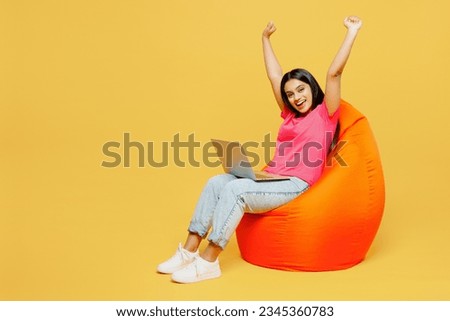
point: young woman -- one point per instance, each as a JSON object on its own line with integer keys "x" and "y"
{"x": 310, "y": 118}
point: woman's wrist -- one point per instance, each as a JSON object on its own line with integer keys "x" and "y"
{"x": 352, "y": 33}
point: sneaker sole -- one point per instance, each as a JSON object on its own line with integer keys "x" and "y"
{"x": 197, "y": 279}
{"x": 170, "y": 271}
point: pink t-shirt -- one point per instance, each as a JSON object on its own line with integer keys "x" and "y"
{"x": 303, "y": 143}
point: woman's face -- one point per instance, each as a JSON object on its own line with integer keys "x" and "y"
{"x": 299, "y": 95}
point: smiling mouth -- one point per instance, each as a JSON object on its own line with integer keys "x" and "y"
{"x": 299, "y": 103}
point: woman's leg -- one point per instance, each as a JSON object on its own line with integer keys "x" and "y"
{"x": 199, "y": 226}
{"x": 238, "y": 196}
{"x": 192, "y": 242}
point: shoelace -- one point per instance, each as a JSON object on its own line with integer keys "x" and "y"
{"x": 182, "y": 253}
{"x": 193, "y": 266}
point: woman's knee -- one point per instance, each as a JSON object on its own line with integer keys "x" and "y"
{"x": 237, "y": 187}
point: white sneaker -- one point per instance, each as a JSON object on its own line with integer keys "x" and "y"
{"x": 179, "y": 260}
{"x": 198, "y": 270}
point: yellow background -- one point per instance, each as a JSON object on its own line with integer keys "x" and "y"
{"x": 77, "y": 74}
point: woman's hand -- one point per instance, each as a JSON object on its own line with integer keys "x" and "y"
{"x": 269, "y": 30}
{"x": 353, "y": 23}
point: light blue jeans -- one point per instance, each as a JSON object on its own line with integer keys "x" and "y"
{"x": 225, "y": 199}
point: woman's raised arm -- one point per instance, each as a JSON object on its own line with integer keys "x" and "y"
{"x": 333, "y": 84}
{"x": 273, "y": 68}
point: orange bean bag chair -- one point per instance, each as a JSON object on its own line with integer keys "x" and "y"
{"x": 332, "y": 225}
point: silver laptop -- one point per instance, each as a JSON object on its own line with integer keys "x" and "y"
{"x": 235, "y": 161}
